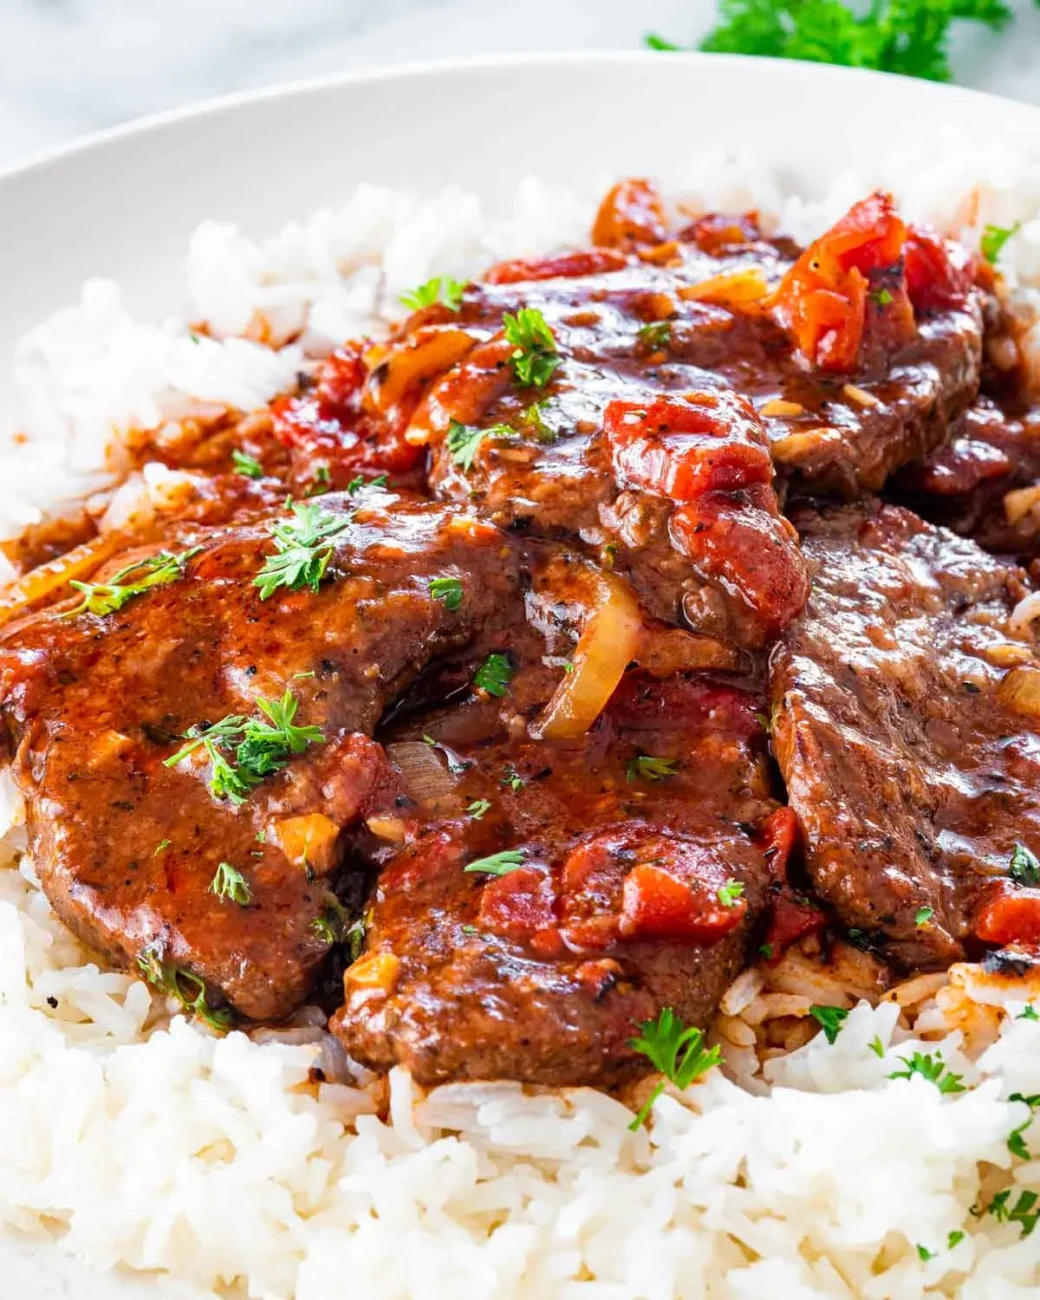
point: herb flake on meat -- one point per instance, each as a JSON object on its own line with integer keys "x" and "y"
{"x": 103, "y": 598}
{"x": 228, "y": 882}
{"x": 478, "y": 808}
{"x": 1025, "y": 866}
{"x": 656, "y": 335}
{"x": 648, "y": 768}
{"x": 494, "y": 675}
{"x": 729, "y": 893}
{"x": 302, "y": 549}
{"x": 246, "y": 465}
{"x": 994, "y": 238}
{"x": 674, "y": 1049}
{"x": 448, "y": 591}
{"x": 923, "y": 915}
{"x": 188, "y": 989}
{"x": 498, "y": 864}
{"x": 534, "y": 358}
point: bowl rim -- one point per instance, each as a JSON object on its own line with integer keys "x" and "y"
{"x": 414, "y": 70}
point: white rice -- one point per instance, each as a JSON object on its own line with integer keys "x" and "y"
{"x": 144, "y": 1142}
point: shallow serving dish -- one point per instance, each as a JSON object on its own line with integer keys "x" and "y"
{"x": 123, "y": 205}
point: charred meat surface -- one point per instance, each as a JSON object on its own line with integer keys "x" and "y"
{"x": 905, "y": 728}
{"x": 132, "y": 850}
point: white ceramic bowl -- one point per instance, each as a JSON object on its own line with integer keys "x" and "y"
{"x": 124, "y": 204}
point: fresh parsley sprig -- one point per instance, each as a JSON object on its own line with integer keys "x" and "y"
{"x": 246, "y": 465}
{"x": 1024, "y": 867}
{"x": 933, "y": 1069}
{"x": 906, "y": 36}
{"x": 441, "y": 288}
{"x": 448, "y": 591}
{"x": 675, "y": 1050}
{"x": 494, "y": 675}
{"x": 259, "y": 746}
{"x": 228, "y": 882}
{"x": 158, "y": 570}
{"x": 302, "y": 549}
{"x": 188, "y": 989}
{"x": 830, "y": 1020}
{"x": 648, "y": 768}
{"x": 534, "y": 359}
{"x": 497, "y": 864}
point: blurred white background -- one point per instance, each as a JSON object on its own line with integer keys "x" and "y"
{"x": 68, "y": 67}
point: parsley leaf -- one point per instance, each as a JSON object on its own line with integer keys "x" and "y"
{"x": 448, "y": 590}
{"x": 534, "y": 358}
{"x": 1028, "y": 1012}
{"x": 302, "y": 550}
{"x": 954, "y": 1239}
{"x": 158, "y": 570}
{"x": 728, "y": 893}
{"x": 494, "y": 675}
{"x": 359, "y": 481}
{"x": 188, "y": 989}
{"x": 994, "y": 238}
{"x": 1022, "y": 1212}
{"x": 1024, "y": 867}
{"x": 498, "y": 864}
{"x": 648, "y": 768}
{"x": 478, "y": 808}
{"x": 260, "y": 746}
{"x": 676, "y": 1051}
{"x": 441, "y": 288}
{"x": 877, "y": 1046}
{"x": 246, "y": 465}
{"x": 831, "y": 1020}
{"x": 931, "y": 1068}
{"x": 465, "y": 440}
{"x": 924, "y": 1254}
{"x": 923, "y": 915}
{"x": 229, "y": 883}
{"x": 905, "y": 36}
{"x": 656, "y": 335}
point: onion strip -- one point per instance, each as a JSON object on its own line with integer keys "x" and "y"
{"x": 40, "y": 583}
{"x": 608, "y": 643}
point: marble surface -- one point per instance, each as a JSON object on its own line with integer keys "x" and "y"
{"x": 69, "y": 67}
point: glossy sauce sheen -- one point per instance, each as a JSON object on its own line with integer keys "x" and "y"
{"x": 545, "y": 652}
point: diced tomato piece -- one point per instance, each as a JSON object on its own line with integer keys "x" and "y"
{"x": 660, "y": 906}
{"x": 792, "y": 919}
{"x": 519, "y": 905}
{"x": 751, "y": 548}
{"x": 632, "y": 213}
{"x": 717, "y": 231}
{"x": 939, "y": 273}
{"x": 779, "y": 835}
{"x": 821, "y": 301}
{"x": 636, "y": 884}
{"x": 642, "y": 702}
{"x": 684, "y": 447}
{"x": 589, "y": 261}
{"x": 1009, "y": 915}
{"x": 327, "y": 428}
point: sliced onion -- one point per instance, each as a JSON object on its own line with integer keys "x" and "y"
{"x": 1019, "y": 690}
{"x": 40, "y": 583}
{"x": 1024, "y": 612}
{"x": 416, "y": 358}
{"x": 608, "y": 643}
{"x": 738, "y": 290}
{"x": 426, "y": 776}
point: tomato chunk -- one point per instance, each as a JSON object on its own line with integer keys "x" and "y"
{"x": 822, "y": 300}
{"x": 939, "y": 273}
{"x": 1009, "y": 915}
{"x": 684, "y": 447}
{"x": 632, "y": 213}
{"x": 519, "y": 905}
{"x": 642, "y": 702}
{"x": 658, "y": 905}
{"x": 750, "y": 547}
{"x": 331, "y": 436}
{"x": 589, "y": 261}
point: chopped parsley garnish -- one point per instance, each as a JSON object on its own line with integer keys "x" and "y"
{"x": 498, "y": 864}
{"x": 441, "y": 288}
{"x": 1025, "y": 867}
{"x": 259, "y": 747}
{"x": 188, "y": 989}
{"x": 931, "y": 1068}
{"x": 646, "y": 767}
{"x": 447, "y": 590}
{"x": 512, "y": 778}
{"x": 163, "y": 844}
{"x": 882, "y": 298}
{"x": 656, "y": 335}
{"x": 877, "y": 1046}
{"x": 478, "y": 808}
{"x": 1022, "y": 1212}
{"x": 246, "y": 465}
{"x": 464, "y": 442}
{"x": 103, "y": 598}
{"x": 831, "y": 1020}
{"x": 924, "y": 1254}
{"x": 905, "y": 36}
{"x": 355, "y": 935}
{"x": 359, "y": 481}
{"x": 1028, "y": 1012}
{"x": 954, "y": 1239}
{"x": 858, "y": 938}
{"x": 230, "y": 883}
{"x": 534, "y": 358}
{"x": 1016, "y": 1143}
{"x": 994, "y": 238}
{"x": 676, "y": 1051}
{"x": 494, "y": 675}
{"x": 534, "y": 418}
{"x": 302, "y": 549}
{"x": 728, "y": 893}
{"x": 923, "y": 915}
{"x": 320, "y": 482}
{"x": 765, "y": 950}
